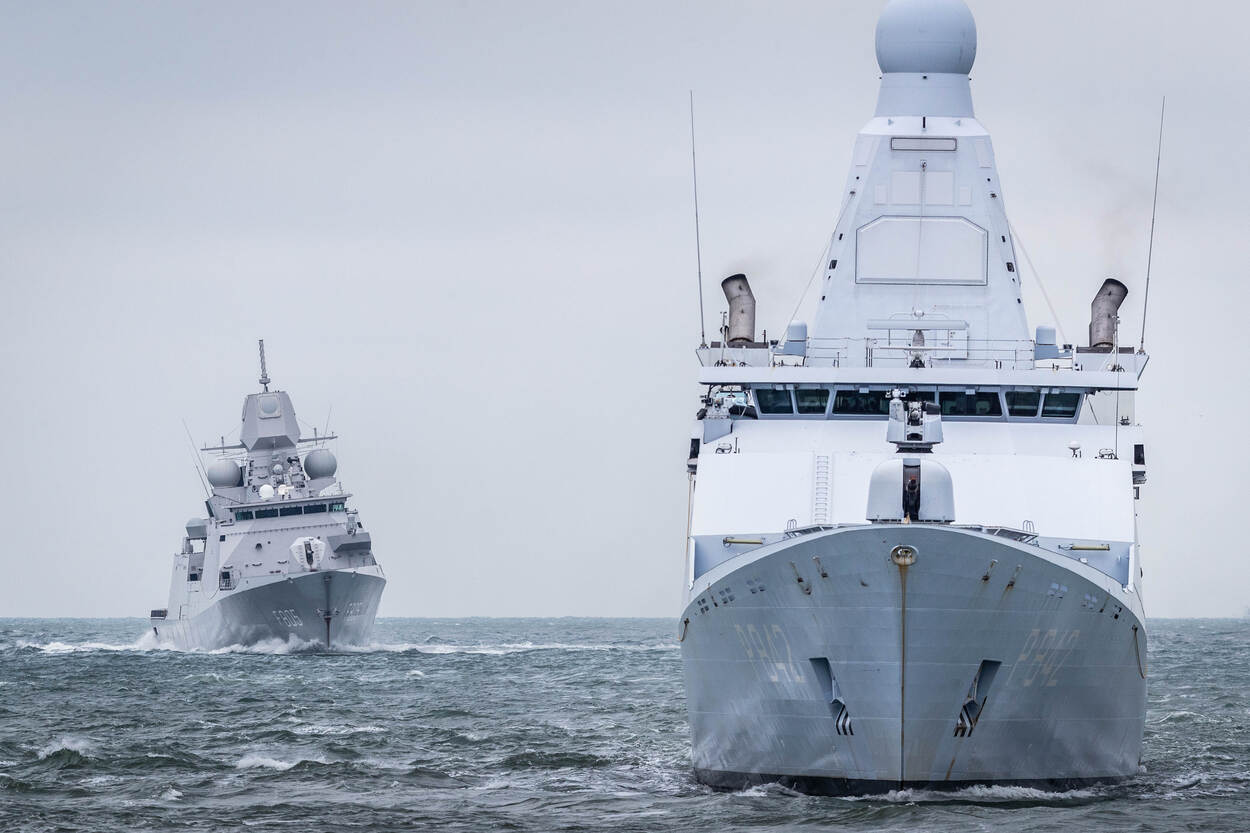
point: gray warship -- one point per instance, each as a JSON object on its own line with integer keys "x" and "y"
{"x": 281, "y": 554}
{"x": 912, "y": 557}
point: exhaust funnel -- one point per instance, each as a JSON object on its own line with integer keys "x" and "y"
{"x": 1103, "y": 312}
{"x": 741, "y": 328}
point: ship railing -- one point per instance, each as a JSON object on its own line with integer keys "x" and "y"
{"x": 1011, "y": 354}
{"x": 795, "y": 531}
{"x": 1021, "y": 535}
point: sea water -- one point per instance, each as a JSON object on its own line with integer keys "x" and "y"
{"x": 523, "y": 724}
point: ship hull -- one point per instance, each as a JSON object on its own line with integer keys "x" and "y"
{"x": 290, "y": 609}
{"x": 824, "y": 664}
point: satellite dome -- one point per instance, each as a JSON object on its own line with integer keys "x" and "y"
{"x": 224, "y": 474}
{"x": 266, "y": 491}
{"x": 936, "y": 36}
{"x": 320, "y": 462}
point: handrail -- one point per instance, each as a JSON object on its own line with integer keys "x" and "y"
{"x": 1012, "y": 353}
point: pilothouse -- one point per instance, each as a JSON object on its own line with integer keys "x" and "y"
{"x": 912, "y": 555}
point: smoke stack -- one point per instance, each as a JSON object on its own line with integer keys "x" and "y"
{"x": 1102, "y": 314}
{"x": 741, "y": 329}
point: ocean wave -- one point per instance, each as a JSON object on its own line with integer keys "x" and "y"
{"x": 503, "y": 648}
{"x": 337, "y": 730}
{"x": 294, "y": 645}
{"x": 270, "y": 647}
{"x": 981, "y": 794}
{"x": 171, "y": 794}
{"x": 78, "y": 746}
{"x": 147, "y": 642}
{"x": 257, "y": 761}
{"x": 533, "y": 759}
{"x": 66, "y": 753}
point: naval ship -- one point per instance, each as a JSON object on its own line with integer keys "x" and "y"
{"x": 912, "y": 556}
{"x": 281, "y": 554}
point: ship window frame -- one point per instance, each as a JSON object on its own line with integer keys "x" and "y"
{"x": 314, "y": 508}
{"x": 1037, "y": 408}
{"x": 288, "y": 511}
{"x": 1076, "y": 413}
{"x": 976, "y": 391}
{"x": 243, "y": 515}
{"x": 267, "y": 513}
{"x": 859, "y": 390}
{"x": 771, "y": 389}
{"x": 823, "y": 413}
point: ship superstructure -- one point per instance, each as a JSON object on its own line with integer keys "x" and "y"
{"x": 281, "y": 554}
{"x": 913, "y": 556}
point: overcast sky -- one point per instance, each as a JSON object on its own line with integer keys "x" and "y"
{"x": 466, "y": 228}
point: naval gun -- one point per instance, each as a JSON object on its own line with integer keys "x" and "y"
{"x": 894, "y": 490}
{"x": 914, "y": 425}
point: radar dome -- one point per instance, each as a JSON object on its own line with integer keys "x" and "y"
{"x": 926, "y": 36}
{"x": 225, "y": 474}
{"x": 266, "y": 491}
{"x": 320, "y": 462}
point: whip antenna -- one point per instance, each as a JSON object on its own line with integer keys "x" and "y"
{"x": 698, "y": 248}
{"x": 1154, "y": 205}
{"x": 195, "y": 456}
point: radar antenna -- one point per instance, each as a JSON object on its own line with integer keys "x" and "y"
{"x": 264, "y": 373}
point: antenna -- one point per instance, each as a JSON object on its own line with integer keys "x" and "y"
{"x": 698, "y": 248}
{"x": 1154, "y": 204}
{"x": 264, "y": 373}
{"x": 199, "y": 469}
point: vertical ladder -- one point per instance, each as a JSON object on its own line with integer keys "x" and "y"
{"x": 820, "y": 490}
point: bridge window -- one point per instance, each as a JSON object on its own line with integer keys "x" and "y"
{"x": 812, "y": 400}
{"x": 854, "y": 403}
{"x": 980, "y": 404}
{"x": 338, "y": 507}
{"x": 242, "y": 516}
{"x": 266, "y": 513}
{"x": 290, "y": 510}
{"x": 314, "y": 508}
{"x": 773, "y": 401}
{"x": 1062, "y": 405}
{"x": 1023, "y": 403}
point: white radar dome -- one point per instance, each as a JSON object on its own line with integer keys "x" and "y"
{"x": 320, "y": 462}
{"x": 266, "y": 492}
{"x": 224, "y": 474}
{"x": 926, "y": 36}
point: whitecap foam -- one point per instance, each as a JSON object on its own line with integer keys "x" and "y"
{"x": 66, "y": 744}
{"x": 255, "y": 761}
{"x": 271, "y": 647}
{"x": 171, "y": 795}
{"x": 313, "y": 729}
{"x": 981, "y": 793}
{"x": 503, "y": 648}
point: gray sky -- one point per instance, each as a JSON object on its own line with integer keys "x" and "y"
{"x": 466, "y": 226}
